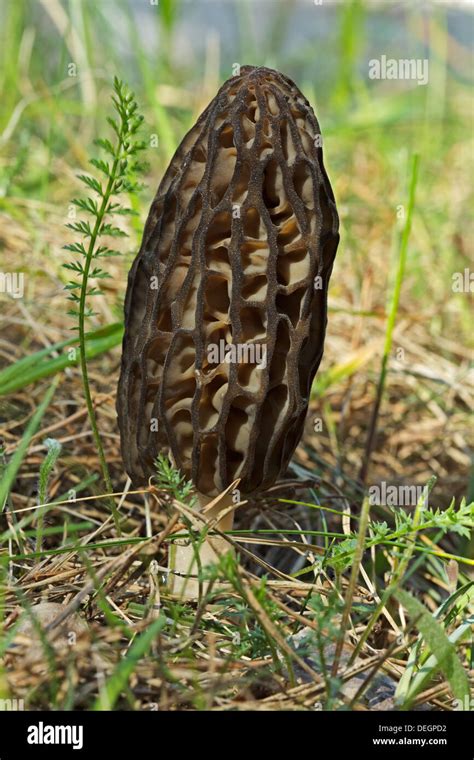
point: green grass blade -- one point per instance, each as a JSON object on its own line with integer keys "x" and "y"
{"x": 411, "y": 682}
{"x": 402, "y": 257}
{"x": 126, "y": 667}
{"x": 429, "y": 668}
{"x": 41, "y": 364}
{"x": 76, "y": 548}
{"x": 14, "y": 464}
{"x": 443, "y": 652}
{"x": 53, "y": 451}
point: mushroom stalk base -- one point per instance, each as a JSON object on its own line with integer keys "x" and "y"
{"x": 183, "y": 561}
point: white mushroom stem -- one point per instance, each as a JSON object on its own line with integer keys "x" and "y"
{"x": 184, "y": 564}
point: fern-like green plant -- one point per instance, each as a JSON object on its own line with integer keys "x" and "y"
{"x": 172, "y": 480}
{"x": 119, "y": 171}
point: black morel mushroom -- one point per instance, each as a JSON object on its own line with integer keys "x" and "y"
{"x": 225, "y": 312}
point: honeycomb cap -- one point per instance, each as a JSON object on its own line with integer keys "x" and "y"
{"x": 225, "y": 311}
